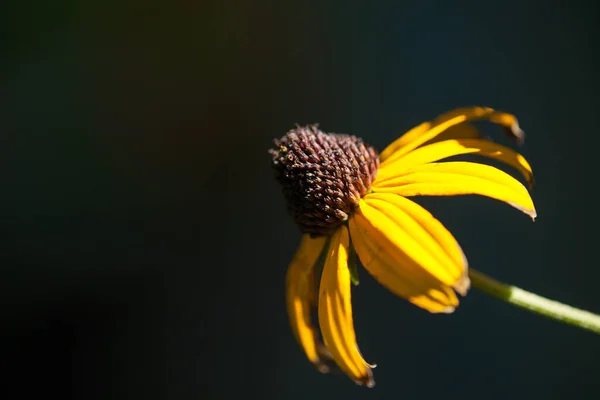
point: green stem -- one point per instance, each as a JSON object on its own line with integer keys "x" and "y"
{"x": 537, "y": 304}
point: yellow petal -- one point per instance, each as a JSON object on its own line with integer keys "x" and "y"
{"x": 418, "y": 235}
{"x": 459, "y": 178}
{"x": 463, "y": 130}
{"x": 428, "y": 131}
{"x": 429, "y": 232}
{"x": 373, "y": 236}
{"x": 301, "y": 291}
{"x": 448, "y": 148}
{"x": 505, "y": 120}
{"x": 404, "y": 140}
{"x": 335, "y": 311}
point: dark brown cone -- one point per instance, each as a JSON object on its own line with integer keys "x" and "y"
{"x": 323, "y": 176}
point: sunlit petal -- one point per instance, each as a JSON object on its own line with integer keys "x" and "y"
{"x": 418, "y": 235}
{"x": 507, "y": 121}
{"x": 463, "y": 130}
{"x": 448, "y": 148}
{"x": 428, "y": 131}
{"x": 428, "y": 231}
{"x": 374, "y": 237}
{"x": 404, "y": 140}
{"x": 301, "y": 292}
{"x": 335, "y": 311}
{"x": 459, "y": 178}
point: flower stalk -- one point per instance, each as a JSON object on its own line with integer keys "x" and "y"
{"x": 534, "y": 303}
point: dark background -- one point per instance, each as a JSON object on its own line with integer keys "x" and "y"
{"x": 144, "y": 242}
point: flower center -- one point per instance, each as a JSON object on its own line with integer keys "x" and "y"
{"x": 323, "y": 176}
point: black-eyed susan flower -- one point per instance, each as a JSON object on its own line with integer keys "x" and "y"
{"x": 347, "y": 199}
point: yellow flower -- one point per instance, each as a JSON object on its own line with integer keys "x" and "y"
{"x": 345, "y": 199}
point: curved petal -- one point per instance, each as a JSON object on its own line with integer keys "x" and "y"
{"x": 430, "y": 233}
{"x": 335, "y": 311}
{"x": 418, "y": 235}
{"x": 459, "y": 178}
{"x": 374, "y": 237}
{"x": 505, "y": 120}
{"x": 428, "y": 131}
{"x": 463, "y": 130}
{"x": 448, "y": 148}
{"x": 404, "y": 140}
{"x": 301, "y": 292}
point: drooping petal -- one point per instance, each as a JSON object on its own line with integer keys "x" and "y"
{"x": 420, "y": 236}
{"x": 375, "y": 237}
{"x": 428, "y": 131}
{"x": 301, "y": 292}
{"x": 335, "y": 311}
{"x": 404, "y": 140}
{"x": 459, "y": 178}
{"x": 429, "y": 232}
{"x": 463, "y": 130}
{"x": 448, "y": 148}
{"x": 505, "y": 120}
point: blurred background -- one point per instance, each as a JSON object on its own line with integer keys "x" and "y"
{"x": 145, "y": 242}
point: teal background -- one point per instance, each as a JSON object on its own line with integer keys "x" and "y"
{"x": 144, "y": 240}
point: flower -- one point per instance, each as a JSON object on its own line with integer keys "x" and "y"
{"x": 347, "y": 199}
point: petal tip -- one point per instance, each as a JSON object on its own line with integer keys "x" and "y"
{"x": 529, "y": 211}
{"x": 322, "y": 368}
{"x": 517, "y": 133}
{"x": 463, "y": 285}
{"x": 448, "y": 310}
{"x": 533, "y": 214}
{"x": 367, "y": 380}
